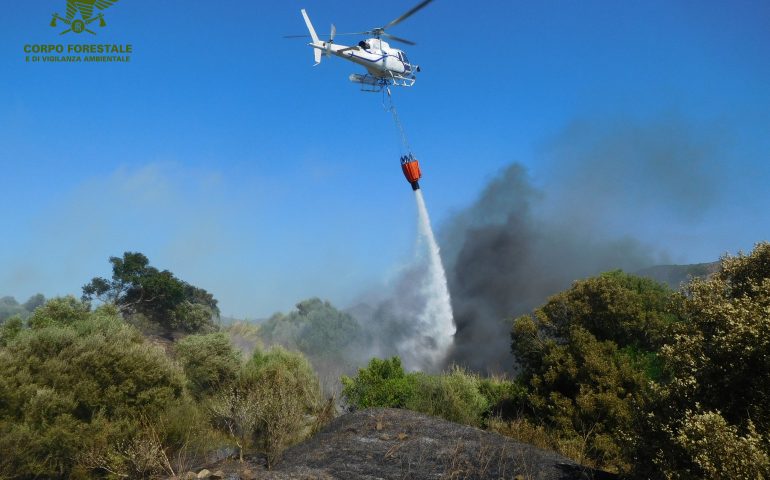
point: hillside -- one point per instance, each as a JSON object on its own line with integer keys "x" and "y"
{"x": 383, "y": 443}
{"x": 675, "y": 275}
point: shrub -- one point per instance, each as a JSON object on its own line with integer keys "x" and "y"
{"x": 588, "y": 356}
{"x": 193, "y": 317}
{"x": 245, "y": 336}
{"x": 275, "y": 402}
{"x": 288, "y": 391}
{"x": 453, "y": 396}
{"x": 456, "y": 395}
{"x": 210, "y": 362}
{"x": 10, "y": 329}
{"x": 719, "y": 451}
{"x": 506, "y": 398}
{"x": 59, "y": 311}
{"x": 715, "y": 384}
{"x": 78, "y": 378}
{"x": 383, "y": 383}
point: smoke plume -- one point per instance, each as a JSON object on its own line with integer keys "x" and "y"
{"x": 606, "y": 188}
{"x": 608, "y": 197}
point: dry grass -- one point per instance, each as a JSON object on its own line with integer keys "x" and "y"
{"x": 522, "y": 430}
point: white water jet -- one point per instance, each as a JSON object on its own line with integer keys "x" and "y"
{"x": 436, "y": 321}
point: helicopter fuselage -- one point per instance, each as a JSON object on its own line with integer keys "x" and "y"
{"x": 375, "y": 55}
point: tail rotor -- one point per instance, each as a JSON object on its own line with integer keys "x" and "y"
{"x": 328, "y": 51}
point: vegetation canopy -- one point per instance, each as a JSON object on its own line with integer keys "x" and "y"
{"x": 137, "y": 288}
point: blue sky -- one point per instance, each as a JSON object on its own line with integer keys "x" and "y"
{"x": 223, "y": 155}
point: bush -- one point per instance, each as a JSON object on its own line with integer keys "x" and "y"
{"x": 78, "y": 378}
{"x": 719, "y": 451}
{"x": 288, "y": 391}
{"x": 275, "y": 402}
{"x": 456, "y": 395}
{"x": 453, "y": 396}
{"x": 383, "y": 383}
{"x": 715, "y": 383}
{"x": 193, "y": 318}
{"x": 506, "y": 398}
{"x": 245, "y": 336}
{"x": 210, "y": 362}
{"x": 59, "y": 311}
{"x": 10, "y": 329}
{"x": 588, "y": 356}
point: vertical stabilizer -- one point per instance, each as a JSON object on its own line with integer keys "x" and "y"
{"x": 314, "y": 36}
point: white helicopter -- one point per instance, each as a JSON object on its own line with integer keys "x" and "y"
{"x": 385, "y": 65}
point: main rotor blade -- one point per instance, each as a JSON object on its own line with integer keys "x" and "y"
{"x": 335, "y": 34}
{"x": 408, "y": 14}
{"x": 398, "y": 39}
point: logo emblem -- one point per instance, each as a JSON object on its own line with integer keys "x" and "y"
{"x": 86, "y": 9}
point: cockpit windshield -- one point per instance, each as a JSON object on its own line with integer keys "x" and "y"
{"x": 403, "y": 57}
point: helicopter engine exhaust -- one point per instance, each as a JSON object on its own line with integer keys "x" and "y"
{"x": 411, "y": 169}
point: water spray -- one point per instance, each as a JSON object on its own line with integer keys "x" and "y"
{"x": 436, "y": 319}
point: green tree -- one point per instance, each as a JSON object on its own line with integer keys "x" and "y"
{"x": 33, "y": 302}
{"x": 9, "y": 307}
{"x": 713, "y": 405}
{"x": 315, "y": 328}
{"x": 588, "y": 355}
{"x": 138, "y": 288}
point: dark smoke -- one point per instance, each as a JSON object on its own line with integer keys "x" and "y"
{"x": 605, "y": 196}
{"x": 507, "y": 266}
{"x": 517, "y": 244}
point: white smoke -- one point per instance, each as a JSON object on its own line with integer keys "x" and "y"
{"x": 412, "y": 318}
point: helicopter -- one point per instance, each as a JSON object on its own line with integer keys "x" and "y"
{"x": 384, "y": 64}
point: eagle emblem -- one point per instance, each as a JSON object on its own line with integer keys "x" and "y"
{"x": 86, "y": 9}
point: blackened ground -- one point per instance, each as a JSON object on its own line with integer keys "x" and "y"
{"x": 400, "y": 444}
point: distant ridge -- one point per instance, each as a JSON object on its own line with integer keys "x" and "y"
{"x": 675, "y": 275}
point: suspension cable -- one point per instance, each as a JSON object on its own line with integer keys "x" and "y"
{"x": 392, "y": 108}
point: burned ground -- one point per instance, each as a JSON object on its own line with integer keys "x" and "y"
{"x": 400, "y": 444}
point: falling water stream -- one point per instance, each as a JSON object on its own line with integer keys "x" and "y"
{"x": 436, "y": 318}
